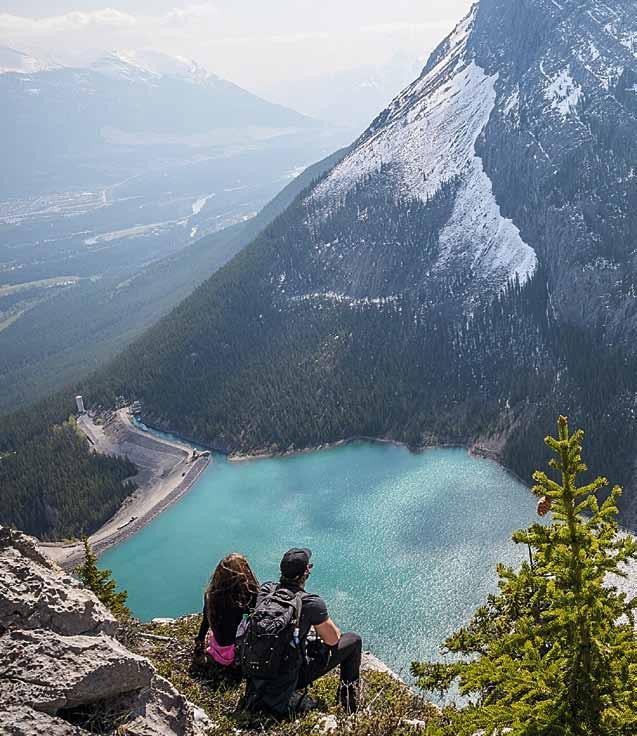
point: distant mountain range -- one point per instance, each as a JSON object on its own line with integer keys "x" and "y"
{"x": 351, "y": 97}
{"x": 69, "y": 334}
{"x": 464, "y": 274}
{"x": 59, "y": 123}
{"x": 106, "y": 171}
{"x": 18, "y": 62}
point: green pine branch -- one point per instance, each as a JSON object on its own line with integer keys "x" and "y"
{"x": 102, "y": 584}
{"x": 554, "y": 652}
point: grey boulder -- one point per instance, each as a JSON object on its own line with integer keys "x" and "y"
{"x": 50, "y": 673}
{"x": 160, "y": 710}
{"x": 20, "y": 720}
{"x": 34, "y": 595}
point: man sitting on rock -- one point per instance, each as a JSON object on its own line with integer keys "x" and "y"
{"x": 282, "y": 688}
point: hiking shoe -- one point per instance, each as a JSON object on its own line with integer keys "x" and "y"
{"x": 302, "y": 703}
{"x": 348, "y": 696}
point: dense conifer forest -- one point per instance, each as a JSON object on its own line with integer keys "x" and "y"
{"x": 54, "y": 487}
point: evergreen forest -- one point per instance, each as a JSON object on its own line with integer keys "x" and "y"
{"x": 54, "y": 487}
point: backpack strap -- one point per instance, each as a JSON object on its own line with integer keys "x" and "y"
{"x": 268, "y": 591}
{"x": 298, "y": 608}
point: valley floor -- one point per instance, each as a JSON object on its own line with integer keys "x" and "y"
{"x": 167, "y": 471}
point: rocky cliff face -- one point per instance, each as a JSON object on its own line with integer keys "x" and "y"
{"x": 559, "y": 147}
{"x": 529, "y": 108}
{"x": 62, "y": 670}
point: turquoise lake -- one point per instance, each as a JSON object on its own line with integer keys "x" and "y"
{"x": 405, "y": 545}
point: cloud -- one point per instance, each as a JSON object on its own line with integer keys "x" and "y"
{"x": 74, "y": 21}
{"x": 16, "y": 28}
{"x": 250, "y": 42}
{"x": 183, "y": 16}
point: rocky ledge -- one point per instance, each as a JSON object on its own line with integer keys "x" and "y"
{"x": 63, "y": 668}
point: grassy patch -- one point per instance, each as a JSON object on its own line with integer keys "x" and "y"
{"x": 387, "y": 705}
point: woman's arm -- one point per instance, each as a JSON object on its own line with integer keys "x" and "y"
{"x": 203, "y": 629}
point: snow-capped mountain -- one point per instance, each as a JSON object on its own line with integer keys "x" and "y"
{"x": 17, "y": 62}
{"x": 485, "y": 110}
{"x": 428, "y": 138}
{"x": 465, "y": 273}
{"x": 150, "y": 63}
{"x": 62, "y": 118}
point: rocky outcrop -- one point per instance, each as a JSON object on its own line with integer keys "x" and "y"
{"x": 20, "y": 720}
{"x": 35, "y": 595}
{"x": 371, "y": 663}
{"x": 62, "y": 671}
{"x": 53, "y": 673}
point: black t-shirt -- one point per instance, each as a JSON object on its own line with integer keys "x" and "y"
{"x": 313, "y": 610}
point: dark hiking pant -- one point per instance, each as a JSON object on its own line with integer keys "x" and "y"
{"x": 279, "y": 697}
{"x": 322, "y": 659}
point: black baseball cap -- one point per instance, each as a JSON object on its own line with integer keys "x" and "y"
{"x": 295, "y": 562}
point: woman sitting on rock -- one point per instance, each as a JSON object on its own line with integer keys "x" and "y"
{"x": 231, "y": 593}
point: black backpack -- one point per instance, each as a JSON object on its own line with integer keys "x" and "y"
{"x": 270, "y": 644}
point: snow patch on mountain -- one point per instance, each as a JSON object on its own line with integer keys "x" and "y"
{"x": 477, "y": 228}
{"x": 420, "y": 119}
{"x": 629, "y": 41}
{"x": 564, "y": 93}
{"x": 17, "y": 62}
{"x": 428, "y": 139}
{"x": 151, "y": 64}
{"x": 512, "y": 105}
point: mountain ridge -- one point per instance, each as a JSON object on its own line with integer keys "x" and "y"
{"x": 61, "y": 122}
{"x": 362, "y": 311}
{"x": 375, "y": 305}
{"x": 13, "y": 61}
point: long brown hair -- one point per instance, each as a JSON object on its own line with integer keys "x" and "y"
{"x": 233, "y": 584}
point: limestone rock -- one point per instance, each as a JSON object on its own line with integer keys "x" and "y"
{"x": 61, "y": 672}
{"x": 370, "y": 663}
{"x": 24, "y": 721}
{"x": 50, "y": 672}
{"x": 35, "y": 595}
{"x": 160, "y": 710}
{"x": 415, "y": 723}
{"x": 326, "y": 725}
{"x": 25, "y": 545}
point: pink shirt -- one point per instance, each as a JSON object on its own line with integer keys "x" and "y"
{"x": 222, "y": 655}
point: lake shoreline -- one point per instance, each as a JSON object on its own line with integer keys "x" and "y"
{"x": 157, "y": 495}
{"x": 475, "y": 448}
{"x": 167, "y": 471}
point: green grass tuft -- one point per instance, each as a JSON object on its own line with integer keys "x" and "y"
{"x": 387, "y": 704}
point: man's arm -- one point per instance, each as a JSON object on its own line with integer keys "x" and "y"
{"x": 328, "y": 632}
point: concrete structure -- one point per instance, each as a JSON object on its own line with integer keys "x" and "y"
{"x": 80, "y": 404}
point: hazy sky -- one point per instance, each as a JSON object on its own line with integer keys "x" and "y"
{"x": 250, "y": 42}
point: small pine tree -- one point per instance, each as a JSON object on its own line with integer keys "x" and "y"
{"x": 554, "y": 652}
{"x": 102, "y": 584}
